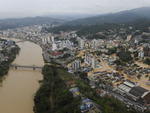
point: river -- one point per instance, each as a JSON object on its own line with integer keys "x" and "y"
{"x": 19, "y": 86}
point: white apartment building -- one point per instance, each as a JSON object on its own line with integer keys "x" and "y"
{"x": 64, "y": 44}
{"x": 76, "y": 65}
{"x": 81, "y": 43}
{"x": 90, "y": 60}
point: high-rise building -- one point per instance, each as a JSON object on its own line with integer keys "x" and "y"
{"x": 87, "y": 59}
{"x": 54, "y": 46}
{"x": 93, "y": 62}
{"x": 48, "y": 40}
{"x": 44, "y": 40}
{"x": 95, "y": 43}
{"x": 52, "y": 39}
{"x": 90, "y": 60}
{"x": 76, "y": 65}
{"x": 81, "y": 43}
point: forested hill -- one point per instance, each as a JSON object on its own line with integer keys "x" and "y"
{"x": 140, "y": 24}
{"x": 120, "y": 17}
{"x": 13, "y": 23}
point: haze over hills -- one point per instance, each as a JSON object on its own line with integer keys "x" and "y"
{"x": 120, "y": 17}
{"x": 79, "y": 19}
{"x": 13, "y": 23}
{"x": 45, "y": 19}
{"x": 70, "y": 16}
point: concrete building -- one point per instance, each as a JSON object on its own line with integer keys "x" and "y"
{"x": 76, "y": 65}
{"x": 64, "y": 44}
{"x": 81, "y": 43}
{"x": 54, "y": 46}
{"x": 137, "y": 93}
{"x": 93, "y": 62}
{"x": 146, "y": 50}
{"x": 141, "y": 54}
{"x": 46, "y": 40}
{"x": 134, "y": 92}
{"x": 94, "y": 44}
{"x": 90, "y": 60}
{"x": 125, "y": 87}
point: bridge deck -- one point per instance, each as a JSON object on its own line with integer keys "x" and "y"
{"x": 26, "y": 66}
{"x": 20, "y": 41}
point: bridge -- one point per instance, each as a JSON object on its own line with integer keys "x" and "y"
{"x": 32, "y": 67}
{"x": 20, "y": 41}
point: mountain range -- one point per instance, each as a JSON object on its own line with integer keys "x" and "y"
{"x": 19, "y": 22}
{"x": 119, "y": 17}
{"x": 122, "y": 17}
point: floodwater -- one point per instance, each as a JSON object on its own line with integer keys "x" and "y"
{"x": 19, "y": 87}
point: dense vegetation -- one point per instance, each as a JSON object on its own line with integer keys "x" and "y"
{"x": 112, "y": 50}
{"x": 125, "y": 56}
{"x": 4, "y": 66}
{"x": 53, "y": 95}
{"x": 147, "y": 61}
{"x": 102, "y": 31}
{"x": 84, "y": 30}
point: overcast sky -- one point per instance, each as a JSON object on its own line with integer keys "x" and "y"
{"x": 22, "y": 8}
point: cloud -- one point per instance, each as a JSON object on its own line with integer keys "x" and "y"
{"x": 39, "y": 7}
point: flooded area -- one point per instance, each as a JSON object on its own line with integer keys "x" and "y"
{"x": 19, "y": 86}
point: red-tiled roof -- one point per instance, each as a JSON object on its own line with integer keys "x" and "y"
{"x": 56, "y": 53}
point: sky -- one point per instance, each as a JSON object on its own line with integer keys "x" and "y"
{"x": 23, "y": 8}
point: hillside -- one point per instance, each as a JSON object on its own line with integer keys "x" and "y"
{"x": 120, "y": 17}
{"x": 13, "y": 23}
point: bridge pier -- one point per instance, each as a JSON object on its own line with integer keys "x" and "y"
{"x": 16, "y": 67}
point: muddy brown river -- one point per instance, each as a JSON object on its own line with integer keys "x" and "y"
{"x": 19, "y": 86}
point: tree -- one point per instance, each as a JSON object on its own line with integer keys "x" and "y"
{"x": 125, "y": 56}
{"x": 112, "y": 50}
{"x": 147, "y": 61}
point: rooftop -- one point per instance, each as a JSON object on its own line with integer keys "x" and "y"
{"x": 137, "y": 91}
{"x": 55, "y": 53}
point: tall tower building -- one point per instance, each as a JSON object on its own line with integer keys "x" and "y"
{"x": 54, "y": 46}
{"x": 52, "y": 39}
{"x": 81, "y": 43}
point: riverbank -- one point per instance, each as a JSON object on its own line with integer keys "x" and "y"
{"x": 11, "y": 56}
{"x": 18, "y": 88}
{"x": 53, "y": 96}
{"x": 107, "y": 104}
